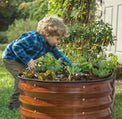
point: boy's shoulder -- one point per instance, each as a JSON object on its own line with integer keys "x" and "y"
{"x": 29, "y": 33}
{"x": 31, "y": 36}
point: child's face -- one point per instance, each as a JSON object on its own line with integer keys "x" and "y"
{"x": 53, "y": 40}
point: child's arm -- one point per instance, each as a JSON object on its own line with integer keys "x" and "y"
{"x": 25, "y": 49}
{"x": 58, "y": 54}
{"x": 31, "y": 63}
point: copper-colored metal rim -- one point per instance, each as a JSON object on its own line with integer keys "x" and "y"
{"x": 56, "y": 81}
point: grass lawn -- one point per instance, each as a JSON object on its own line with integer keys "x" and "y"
{"x": 6, "y": 84}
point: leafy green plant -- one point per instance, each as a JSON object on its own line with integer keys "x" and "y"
{"x": 48, "y": 62}
{"x": 74, "y": 31}
{"x": 106, "y": 67}
{"x": 102, "y": 68}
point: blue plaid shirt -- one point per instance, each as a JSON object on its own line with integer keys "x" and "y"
{"x": 31, "y": 45}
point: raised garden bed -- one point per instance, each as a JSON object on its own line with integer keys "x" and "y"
{"x": 93, "y": 99}
{"x": 85, "y": 90}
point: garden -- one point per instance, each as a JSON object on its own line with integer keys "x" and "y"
{"x": 85, "y": 47}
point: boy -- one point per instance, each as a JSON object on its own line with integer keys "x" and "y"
{"x": 22, "y": 52}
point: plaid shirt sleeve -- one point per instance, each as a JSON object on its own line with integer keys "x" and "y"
{"x": 58, "y": 54}
{"x": 20, "y": 47}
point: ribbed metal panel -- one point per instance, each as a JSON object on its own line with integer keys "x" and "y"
{"x": 79, "y": 100}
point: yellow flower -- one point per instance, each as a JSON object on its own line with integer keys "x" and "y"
{"x": 6, "y": 2}
{"x": 48, "y": 72}
{"x": 68, "y": 45}
{"x": 40, "y": 77}
{"x": 103, "y": 39}
{"x": 79, "y": 48}
{"x": 107, "y": 37}
{"x": 76, "y": 45}
{"x": 90, "y": 50}
{"x": 66, "y": 49}
{"x": 89, "y": 40}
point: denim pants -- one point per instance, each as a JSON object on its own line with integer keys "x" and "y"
{"x": 13, "y": 67}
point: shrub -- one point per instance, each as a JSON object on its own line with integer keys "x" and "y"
{"x": 8, "y": 10}
{"x": 20, "y": 26}
{"x": 3, "y": 38}
{"x": 3, "y": 46}
{"x": 39, "y": 9}
{"x": 35, "y": 10}
{"x": 93, "y": 37}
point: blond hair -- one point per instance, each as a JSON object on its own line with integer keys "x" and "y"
{"x": 53, "y": 26}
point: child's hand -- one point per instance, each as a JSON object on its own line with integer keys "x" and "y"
{"x": 31, "y": 63}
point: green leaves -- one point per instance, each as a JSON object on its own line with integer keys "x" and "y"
{"x": 100, "y": 72}
{"x": 102, "y": 64}
{"x": 21, "y": 27}
{"x": 35, "y": 10}
{"x": 48, "y": 62}
{"x": 72, "y": 10}
{"x": 102, "y": 69}
{"x": 105, "y": 67}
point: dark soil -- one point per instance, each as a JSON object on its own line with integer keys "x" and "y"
{"x": 81, "y": 76}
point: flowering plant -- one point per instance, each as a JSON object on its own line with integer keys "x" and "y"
{"x": 94, "y": 37}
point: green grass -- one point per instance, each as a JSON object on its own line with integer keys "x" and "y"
{"x": 6, "y": 84}
{"x": 118, "y": 102}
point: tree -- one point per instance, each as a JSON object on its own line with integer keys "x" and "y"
{"x": 73, "y": 10}
{"x": 8, "y": 10}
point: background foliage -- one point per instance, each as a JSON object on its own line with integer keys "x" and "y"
{"x": 20, "y": 27}
{"x": 35, "y": 10}
{"x": 8, "y": 10}
{"x": 73, "y": 10}
{"x": 3, "y": 38}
